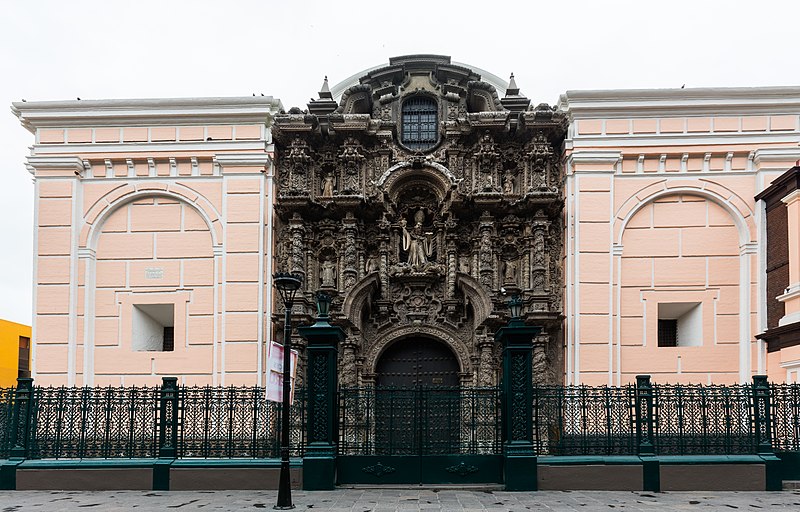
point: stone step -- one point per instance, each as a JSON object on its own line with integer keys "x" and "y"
{"x": 790, "y": 485}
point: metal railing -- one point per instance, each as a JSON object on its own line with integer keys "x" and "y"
{"x": 239, "y": 422}
{"x": 135, "y": 422}
{"x": 403, "y": 421}
{"x": 582, "y": 420}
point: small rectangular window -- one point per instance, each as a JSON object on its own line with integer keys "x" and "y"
{"x": 23, "y": 368}
{"x": 153, "y": 327}
{"x": 680, "y": 324}
{"x": 169, "y": 339}
{"x": 667, "y": 333}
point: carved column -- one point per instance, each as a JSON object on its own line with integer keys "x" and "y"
{"x": 452, "y": 258}
{"x": 486, "y": 367}
{"x": 539, "y": 256}
{"x": 348, "y": 366}
{"x": 486, "y": 263}
{"x": 350, "y": 259}
{"x": 540, "y": 366}
{"x": 297, "y": 250}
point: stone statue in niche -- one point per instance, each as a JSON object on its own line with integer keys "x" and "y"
{"x": 327, "y": 275}
{"x": 508, "y": 184}
{"x": 463, "y": 264}
{"x": 371, "y": 265}
{"x": 510, "y": 272}
{"x": 417, "y": 243}
{"x": 327, "y": 185}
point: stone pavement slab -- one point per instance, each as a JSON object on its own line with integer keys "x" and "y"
{"x": 394, "y": 500}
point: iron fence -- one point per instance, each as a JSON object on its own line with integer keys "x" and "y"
{"x": 406, "y": 421}
{"x": 78, "y": 423}
{"x": 6, "y": 412}
{"x": 703, "y": 420}
{"x": 120, "y": 422}
{"x": 786, "y": 417}
{"x": 582, "y": 420}
{"x": 216, "y": 422}
{"x": 233, "y": 422}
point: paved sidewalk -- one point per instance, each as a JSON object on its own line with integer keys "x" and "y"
{"x": 391, "y": 500}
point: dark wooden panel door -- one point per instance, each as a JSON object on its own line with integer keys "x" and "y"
{"x": 417, "y": 362}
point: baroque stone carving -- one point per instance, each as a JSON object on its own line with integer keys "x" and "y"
{"x": 423, "y": 243}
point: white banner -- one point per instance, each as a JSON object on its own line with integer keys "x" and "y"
{"x": 275, "y": 373}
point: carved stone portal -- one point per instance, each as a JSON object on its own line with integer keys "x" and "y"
{"x": 424, "y": 244}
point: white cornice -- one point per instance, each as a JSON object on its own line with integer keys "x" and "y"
{"x": 133, "y": 112}
{"x": 61, "y": 162}
{"x": 682, "y": 139}
{"x": 792, "y": 292}
{"x": 792, "y": 197}
{"x": 780, "y": 155}
{"x": 713, "y": 101}
{"x": 229, "y": 160}
{"x": 152, "y": 147}
{"x": 595, "y": 158}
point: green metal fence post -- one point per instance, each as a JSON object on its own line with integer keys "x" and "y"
{"x": 167, "y": 432}
{"x": 761, "y": 407}
{"x": 645, "y": 421}
{"x": 19, "y": 439}
{"x": 519, "y": 455}
{"x": 644, "y": 395}
{"x": 762, "y": 415}
{"x": 20, "y": 429}
{"x": 168, "y": 418}
{"x": 319, "y": 462}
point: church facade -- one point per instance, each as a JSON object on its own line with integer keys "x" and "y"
{"x": 422, "y": 196}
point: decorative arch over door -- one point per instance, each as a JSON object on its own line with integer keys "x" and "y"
{"x": 417, "y": 361}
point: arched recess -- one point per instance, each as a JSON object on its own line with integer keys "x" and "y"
{"x": 743, "y": 219}
{"x": 476, "y": 294}
{"x": 459, "y": 348}
{"x": 98, "y": 218}
{"x": 741, "y": 214}
{"x": 359, "y": 296}
{"x": 403, "y": 174}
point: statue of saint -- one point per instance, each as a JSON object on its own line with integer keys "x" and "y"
{"x": 327, "y": 185}
{"x": 416, "y": 243}
{"x": 328, "y": 274}
{"x": 371, "y": 265}
{"x": 508, "y": 184}
{"x": 510, "y": 272}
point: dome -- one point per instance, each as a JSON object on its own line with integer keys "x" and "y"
{"x": 495, "y": 81}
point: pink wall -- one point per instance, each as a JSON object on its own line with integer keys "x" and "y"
{"x": 660, "y": 209}
{"x": 167, "y": 214}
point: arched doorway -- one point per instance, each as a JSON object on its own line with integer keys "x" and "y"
{"x": 421, "y": 424}
{"x": 415, "y": 362}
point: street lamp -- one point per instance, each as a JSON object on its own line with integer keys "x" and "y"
{"x": 515, "y": 308}
{"x": 287, "y": 285}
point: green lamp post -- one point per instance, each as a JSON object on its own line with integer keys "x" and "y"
{"x": 322, "y": 341}
{"x": 287, "y": 285}
{"x": 519, "y": 456}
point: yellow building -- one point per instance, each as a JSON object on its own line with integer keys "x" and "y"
{"x": 15, "y": 352}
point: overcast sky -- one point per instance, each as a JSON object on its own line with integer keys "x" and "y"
{"x": 112, "y": 49}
